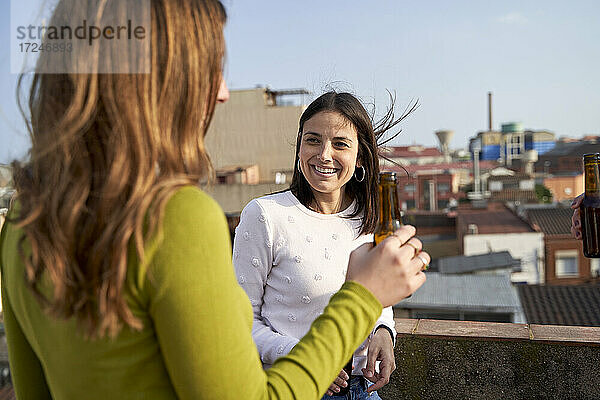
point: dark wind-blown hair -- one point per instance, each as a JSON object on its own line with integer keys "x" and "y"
{"x": 370, "y": 137}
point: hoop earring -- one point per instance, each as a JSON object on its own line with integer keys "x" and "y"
{"x": 362, "y": 176}
{"x": 299, "y": 170}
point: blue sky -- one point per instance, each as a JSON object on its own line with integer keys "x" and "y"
{"x": 539, "y": 58}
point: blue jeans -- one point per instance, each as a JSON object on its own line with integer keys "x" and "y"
{"x": 358, "y": 391}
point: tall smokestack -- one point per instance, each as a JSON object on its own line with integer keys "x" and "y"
{"x": 489, "y": 111}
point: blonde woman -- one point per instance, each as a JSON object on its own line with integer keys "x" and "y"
{"x": 117, "y": 280}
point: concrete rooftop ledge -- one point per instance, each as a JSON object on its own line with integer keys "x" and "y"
{"x": 483, "y": 360}
{"x": 498, "y": 331}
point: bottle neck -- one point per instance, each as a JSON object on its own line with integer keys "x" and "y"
{"x": 592, "y": 179}
{"x": 388, "y": 209}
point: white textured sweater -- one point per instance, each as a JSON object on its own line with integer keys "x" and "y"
{"x": 290, "y": 260}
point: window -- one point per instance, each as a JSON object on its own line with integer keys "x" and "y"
{"x": 527, "y": 185}
{"x": 595, "y": 267}
{"x": 495, "y": 186}
{"x": 280, "y": 177}
{"x": 443, "y": 187}
{"x": 410, "y": 204}
{"x": 566, "y": 263}
{"x": 409, "y": 187}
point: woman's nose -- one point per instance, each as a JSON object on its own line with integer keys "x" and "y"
{"x": 223, "y": 93}
{"x": 325, "y": 153}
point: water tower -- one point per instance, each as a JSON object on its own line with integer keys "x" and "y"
{"x": 444, "y": 137}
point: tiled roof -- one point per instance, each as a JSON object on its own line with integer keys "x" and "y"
{"x": 510, "y": 178}
{"x": 551, "y": 221}
{"x": 561, "y": 305}
{"x": 466, "y": 264}
{"x": 492, "y": 221}
{"x": 411, "y": 151}
{"x": 522, "y": 195}
{"x": 459, "y": 165}
{"x": 574, "y": 149}
{"x": 464, "y": 291}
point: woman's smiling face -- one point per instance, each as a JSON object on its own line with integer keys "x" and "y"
{"x": 328, "y": 152}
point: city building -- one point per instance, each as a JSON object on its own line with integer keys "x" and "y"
{"x": 252, "y": 142}
{"x": 257, "y": 127}
{"x": 488, "y": 227}
{"x": 565, "y": 187}
{"x": 429, "y": 191}
{"x": 564, "y": 259}
{"x": 511, "y": 143}
{"x": 512, "y": 188}
{"x": 566, "y": 157}
{"x": 243, "y": 174}
{"x": 437, "y": 231}
{"x": 434, "y": 186}
{"x": 540, "y": 141}
{"x": 488, "y": 143}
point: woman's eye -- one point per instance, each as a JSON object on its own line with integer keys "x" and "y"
{"x": 312, "y": 140}
{"x": 342, "y": 144}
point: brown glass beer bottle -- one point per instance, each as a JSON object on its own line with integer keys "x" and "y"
{"x": 389, "y": 219}
{"x": 590, "y": 206}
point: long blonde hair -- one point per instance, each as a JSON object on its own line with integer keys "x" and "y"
{"x": 108, "y": 150}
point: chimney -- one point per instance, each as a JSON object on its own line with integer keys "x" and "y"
{"x": 489, "y": 111}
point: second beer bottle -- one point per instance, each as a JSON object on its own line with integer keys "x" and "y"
{"x": 590, "y": 206}
{"x": 389, "y": 218}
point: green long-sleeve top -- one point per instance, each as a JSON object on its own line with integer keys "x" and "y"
{"x": 196, "y": 341}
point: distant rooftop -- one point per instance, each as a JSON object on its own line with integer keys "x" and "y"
{"x": 512, "y": 195}
{"x": 467, "y": 291}
{"x": 572, "y": 149}
{"x": 495, "y": 219}
{"x": 453, "y": 166}
{"x": 466, "y": 264}
{"x": 561, "y": 305}
{"x": 551, "y": 221}
{"x": 411, "y": 151}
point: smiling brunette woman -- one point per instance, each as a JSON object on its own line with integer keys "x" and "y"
{"x": 291, "y": 248}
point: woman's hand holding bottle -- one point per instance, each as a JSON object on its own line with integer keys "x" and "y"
{"x": 391, "y": 270}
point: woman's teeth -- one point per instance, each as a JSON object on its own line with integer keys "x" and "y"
{"x": 325, "y": 170}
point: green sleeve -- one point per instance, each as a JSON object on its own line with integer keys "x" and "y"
{"x": 26, "y": 370}
{"x": 203, "y": 319}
